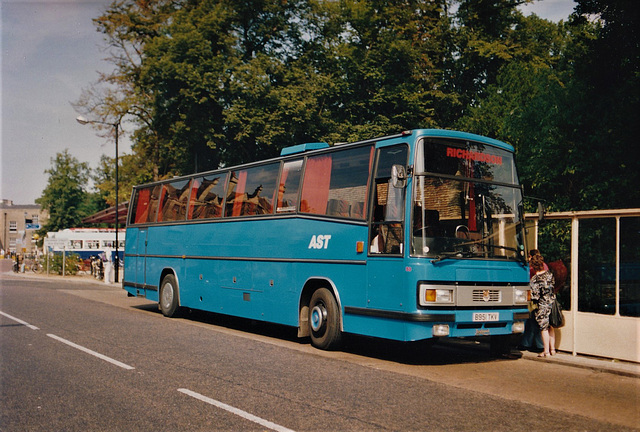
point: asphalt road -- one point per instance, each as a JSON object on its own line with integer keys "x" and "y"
{"x": 84, "y": 356}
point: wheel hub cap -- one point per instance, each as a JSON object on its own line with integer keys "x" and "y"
{"x": 318, "y": 317}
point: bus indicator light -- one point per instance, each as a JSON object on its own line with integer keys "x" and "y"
{"x": 436, "y": 295}
{"x": 430, "y": 295}
{"x": 359, "y": 247}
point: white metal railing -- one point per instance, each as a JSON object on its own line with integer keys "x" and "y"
{"x": 612, "y": 336}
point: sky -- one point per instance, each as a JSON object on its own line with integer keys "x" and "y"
{"x": 50, "y": 52}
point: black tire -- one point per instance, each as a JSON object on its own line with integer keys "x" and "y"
{"x": 324, "y": 320}
{"x": 169, "y": 301}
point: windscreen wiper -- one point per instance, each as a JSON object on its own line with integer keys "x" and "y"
{"x": 519, "y": 254}
{"x": 451, "y": 255}
{"x": 466, "y": 254}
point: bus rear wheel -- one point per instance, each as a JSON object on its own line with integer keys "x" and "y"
{"x": 169, "y": 296}
{"x": 324, "y": 320}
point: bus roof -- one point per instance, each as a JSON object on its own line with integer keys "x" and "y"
{"x": 319, "y": 146}
{"x": 300, "y": 148}
{"x": 447, "y": 133}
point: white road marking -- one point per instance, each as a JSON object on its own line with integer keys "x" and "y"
{"x": 32, "y": 327}
{"x": 236, "y": 411}
{"x": 93, "y": 353}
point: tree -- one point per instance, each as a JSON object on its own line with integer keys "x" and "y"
{"x": 485, "y": 37}
{"x": 64, "y": 195}
{"x": 212, "y": 83}
{"x": 216, "y": 77}
{"x": 608, "y": 79}
{"x": 571, "y": 116}
{"x": 128, "y": 26}
{"x": 222, "y": 82}
{"x": 385, "y": 61}
{"x": 527, "y": 106}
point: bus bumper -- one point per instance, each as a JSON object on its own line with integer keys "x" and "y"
{"x": 432, "y": 323}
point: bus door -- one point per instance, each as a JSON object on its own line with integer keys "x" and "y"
{"x": 141, "y": 261}
{"x": 385, "y": 271}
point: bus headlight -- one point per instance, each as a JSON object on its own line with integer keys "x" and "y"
{"x": 430, "y": 295}
{"x": 521, "y": 296}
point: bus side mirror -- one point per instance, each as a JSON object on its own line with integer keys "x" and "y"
{"x": 540, "y": 211}
{"x": 398, "y": 176}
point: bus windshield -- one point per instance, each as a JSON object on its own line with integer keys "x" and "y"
{"x": 466, "y": 202}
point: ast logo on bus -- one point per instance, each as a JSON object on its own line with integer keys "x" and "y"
{"x": 319, "y": 241}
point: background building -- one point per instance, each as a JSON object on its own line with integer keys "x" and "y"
{"x": 19, "y": 223}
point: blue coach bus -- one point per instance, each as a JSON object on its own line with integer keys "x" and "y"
{"x": 407, "y": 237}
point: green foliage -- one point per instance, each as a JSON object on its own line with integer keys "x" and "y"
{"x": 554, "y": 238}
{"x": 71, "y": 262}
{"x": 210, "y": 83}
{"x": 386, "y": 63}
{"x": 572, "y": 116}
{"x": 64, "y": 196}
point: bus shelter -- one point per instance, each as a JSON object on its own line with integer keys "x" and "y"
{"x": 601, "y": 295}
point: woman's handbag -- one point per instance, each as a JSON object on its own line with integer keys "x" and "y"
{"x": 556, "y": 319}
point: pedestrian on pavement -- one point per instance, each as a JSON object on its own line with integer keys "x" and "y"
{"x": 532, "y": 338}
{"x": 542, "y": 294}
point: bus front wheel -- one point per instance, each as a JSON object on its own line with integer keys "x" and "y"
{"x": 169, "y": 296}
{"x": 324, "y": 320}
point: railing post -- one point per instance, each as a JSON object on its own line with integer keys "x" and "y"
{"x": 618, "y": 241}
{"x": 575, "y": 243}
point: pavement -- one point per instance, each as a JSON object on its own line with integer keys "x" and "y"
{"x": 597, "y": 364}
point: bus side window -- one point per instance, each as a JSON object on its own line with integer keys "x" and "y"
{"x": 335, "y": 184}
{"x": 183, "y": 200}
{"x": 174, "y": 201}
{"x": 252, "y": 191}
{"x": 289, "y": 187}
{"x": 315, "y": 186}
{"x": 140, "y": 207}
{"x": 387, "y": 220}
{"x": 153, "y": 203}
{"x": 388, "y": 215}
{"x": 207, "y": 193}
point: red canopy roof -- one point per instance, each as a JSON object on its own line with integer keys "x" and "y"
{"x": 108, "y": 216}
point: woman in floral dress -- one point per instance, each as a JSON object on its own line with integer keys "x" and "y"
{"x": 542, "y": 294}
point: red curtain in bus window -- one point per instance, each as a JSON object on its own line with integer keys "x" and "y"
{"x": 472, "y": 209}
{"x": 142, "y": 206}
{"x": 154, "y": 201}
{"x": 471, "y": 196}
{"x": 162, "y": 202}
{"x": 195, "y": 184}
{"x": 280, "y": 190}
{"x": 315, "y": 189}
{"x": 239, "y": 196}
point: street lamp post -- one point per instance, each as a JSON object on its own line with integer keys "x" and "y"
{"x": 84, "y": 121}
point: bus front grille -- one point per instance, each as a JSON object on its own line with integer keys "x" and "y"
{"x": 486, "y": 296}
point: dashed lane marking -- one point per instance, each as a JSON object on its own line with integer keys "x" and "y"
{"x": 236, "y": 411}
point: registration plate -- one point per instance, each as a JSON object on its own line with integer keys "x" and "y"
{"x": 486, "y": 316}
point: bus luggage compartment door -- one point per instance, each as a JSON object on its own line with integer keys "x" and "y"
{"x": 384, "y": 284}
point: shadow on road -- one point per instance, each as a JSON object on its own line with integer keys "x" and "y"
{"x": 441, "y": 352}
